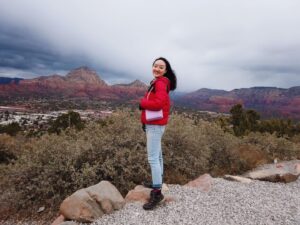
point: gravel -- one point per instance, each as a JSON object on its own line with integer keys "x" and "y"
{"x": 228, "y": 203}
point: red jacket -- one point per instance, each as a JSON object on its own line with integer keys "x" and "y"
{"x": 158, "y": 99}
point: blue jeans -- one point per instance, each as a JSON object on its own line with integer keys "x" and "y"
{"x": 154, "y": 134}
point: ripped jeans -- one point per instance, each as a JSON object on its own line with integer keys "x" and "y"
{"x": 154, "y": 134}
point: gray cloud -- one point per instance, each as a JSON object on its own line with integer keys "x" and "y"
{"x": 215, "y": 44}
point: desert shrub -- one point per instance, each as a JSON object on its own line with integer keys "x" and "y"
{"x": 295, "y": 139}
{"x": 194, "y": 148}
{"x": 245, "y": 157}
{"x": 280, "y": 127}
{"x": 273, "y": 146}
{"x": 53, "y": 166}
{"x": 11, "y": 128}
{"x": 9, "y": 148}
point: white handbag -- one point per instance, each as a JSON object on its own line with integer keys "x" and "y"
{"x": 153, "y": 115}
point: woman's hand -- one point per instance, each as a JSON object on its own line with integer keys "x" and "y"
{"x": 140, "y": 107}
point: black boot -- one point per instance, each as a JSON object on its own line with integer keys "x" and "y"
{"x": 155, "y": 198}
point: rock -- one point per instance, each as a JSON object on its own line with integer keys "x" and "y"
{"x": 88, "y": 204}
{"x": 81, "y": 207}
{"x": 238, "y": 179}
{"x": 164, "y": 188}
{"x": 139, "y": 193}
{"x": 41, "y": 209}
{"x": 204, "y": 182}
{"x": 69, "y": 223}
{"x": 284, "y": 178}
{"x": 105, "y": 191}
{"x": 106, "y": 206}
{"x": 142, "y": 194}
{"x": 286, "y": 172}
{"x": 59, "y": 220}
{"x": 297, "y": 168}
{"x": 287, "y": 178}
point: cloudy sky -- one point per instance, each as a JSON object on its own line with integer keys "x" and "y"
{"x": 210, "y": 44}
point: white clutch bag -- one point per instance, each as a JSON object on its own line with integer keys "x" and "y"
{"x": 153, "y": 115}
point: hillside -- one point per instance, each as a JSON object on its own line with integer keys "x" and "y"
{"x": 268, "y": 101}
{"x": 80, "y": 83}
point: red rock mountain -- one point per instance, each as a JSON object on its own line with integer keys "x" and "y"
{"x": 136, "y": 83}
{"x": 268, "y": 101}
{"x": 84, "y": 75}
{"x": 78, "y": 83}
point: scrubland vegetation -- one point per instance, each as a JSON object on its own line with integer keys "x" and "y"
{"x": 44, "y": 170}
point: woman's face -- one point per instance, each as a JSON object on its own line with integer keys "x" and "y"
{"x": 159, "y": 68}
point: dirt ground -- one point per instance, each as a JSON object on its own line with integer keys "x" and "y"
{"x": 9, "y": 216}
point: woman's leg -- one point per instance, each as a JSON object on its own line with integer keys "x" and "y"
{"x": 154, "y": 134}
{"x": 161, "y": 159}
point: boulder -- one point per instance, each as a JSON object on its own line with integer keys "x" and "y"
{"x": 142, "y": 194}
{"x": 284, "y": 178}
{"x": 286, "y": 172}
{"x": 105, "y": 193}
{"x": 59, "y": 220}
{"x": 139, "y": 193}
{"x": 203, "y": 182}
{"x": 88, "y": 204}
{"x": 238, "y": 179}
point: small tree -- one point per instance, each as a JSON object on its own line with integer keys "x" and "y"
{"x": 252, "y": 118}
{"x": 11, "y": 129}
{"x": 243, "y": 121}
{"x": 70, "y": 119}
{"x": 238, "y": 119}
{"x": 278, "y": 126}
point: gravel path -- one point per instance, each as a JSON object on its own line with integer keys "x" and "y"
{"x": 228, "y": 203}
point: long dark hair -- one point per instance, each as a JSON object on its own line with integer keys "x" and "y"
{"x": 169, "y": 74}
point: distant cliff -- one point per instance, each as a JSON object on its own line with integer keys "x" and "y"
{"x": 268, "y": 101}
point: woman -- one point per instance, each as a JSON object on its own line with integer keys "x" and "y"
{"x": 156, "y": 99}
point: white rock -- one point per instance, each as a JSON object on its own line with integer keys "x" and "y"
{"x": 41, "y": 209}
{"x": 238, "y": 179}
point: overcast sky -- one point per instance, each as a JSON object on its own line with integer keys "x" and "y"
{"x": 210, "y": 44}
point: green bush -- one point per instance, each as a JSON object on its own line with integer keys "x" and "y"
{"x": 67, "y": 120}
{"x": 245, "y": 121}
{"x": 11, "y": 129}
